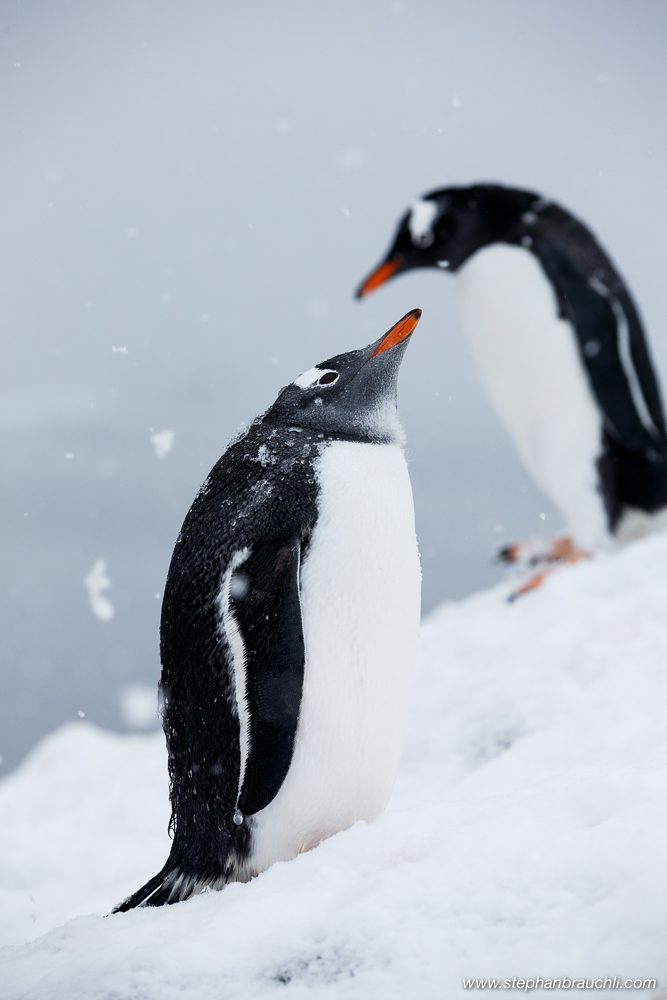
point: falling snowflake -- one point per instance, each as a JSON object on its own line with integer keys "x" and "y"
{"x": 163, "y": 442}
{"x": 95, "y": 583}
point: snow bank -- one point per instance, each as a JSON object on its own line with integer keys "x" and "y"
{"x": 526, "y": 835}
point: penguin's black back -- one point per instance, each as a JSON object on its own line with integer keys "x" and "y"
{"x": 592, "y": 295}
{"x": 262, "y": 496}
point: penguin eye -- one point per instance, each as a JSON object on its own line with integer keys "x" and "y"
{"x": 328, "y": 378}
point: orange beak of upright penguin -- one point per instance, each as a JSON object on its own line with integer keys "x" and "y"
{"x": 378, "y": 277}
{"x": 398, "y": 333}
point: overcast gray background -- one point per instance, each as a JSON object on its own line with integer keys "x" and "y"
{"x": 204, "y": 184}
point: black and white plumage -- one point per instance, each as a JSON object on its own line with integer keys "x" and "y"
{"x": 289, "y": 628}
{"x": 560, "y": 348}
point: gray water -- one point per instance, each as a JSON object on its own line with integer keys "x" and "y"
{"x": 203, "y": 184}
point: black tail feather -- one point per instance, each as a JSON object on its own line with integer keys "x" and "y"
{"x": 175, "y": 883}
{"x": 171, "y": 885}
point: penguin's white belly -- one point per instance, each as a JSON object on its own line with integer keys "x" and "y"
{"x": 529, "y": 361}
{"x": 360, "y": 596}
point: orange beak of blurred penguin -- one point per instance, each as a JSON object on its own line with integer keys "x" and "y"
{"x": 379, "y": 276}
{"x": 398, "y": 333}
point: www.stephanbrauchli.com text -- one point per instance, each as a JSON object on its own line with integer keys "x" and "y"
{"x": 565, "y": 983}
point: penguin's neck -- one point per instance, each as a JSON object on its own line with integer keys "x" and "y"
{"x": 529, "y": 361}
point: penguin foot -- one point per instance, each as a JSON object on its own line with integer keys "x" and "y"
{"x": 532, "y": 584}
{"x": 560, "y": 550}
{"x": 535, "y": 551}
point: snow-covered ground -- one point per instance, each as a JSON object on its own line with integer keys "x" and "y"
{"x": 526, "y": 836}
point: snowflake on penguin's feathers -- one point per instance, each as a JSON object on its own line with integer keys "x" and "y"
{"x": 204, "y": 488}
{"x": 260, "y": 492}
{"x": 264, "y": 456}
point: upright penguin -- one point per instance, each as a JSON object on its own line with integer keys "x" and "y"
{"x": 289, "y": 628}
{"x": 559, "y": 346}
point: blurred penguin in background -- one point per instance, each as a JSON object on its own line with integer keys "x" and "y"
{"x": 561, "y": 350}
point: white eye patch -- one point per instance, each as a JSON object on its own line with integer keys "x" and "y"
{"x": 310, "y": 377}
{"x": 421, "y": 222}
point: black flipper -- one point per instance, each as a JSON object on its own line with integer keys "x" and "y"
{"x": 268, "y": 615}
{"x": 232, "y": 592}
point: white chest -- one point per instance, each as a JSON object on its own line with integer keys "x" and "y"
{"x": 529, "y": 362}
{"x": 360, "y": 594}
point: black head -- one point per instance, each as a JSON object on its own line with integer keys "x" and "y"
{"x": 444, "y": 228}
{"x": 352, "y": 395}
